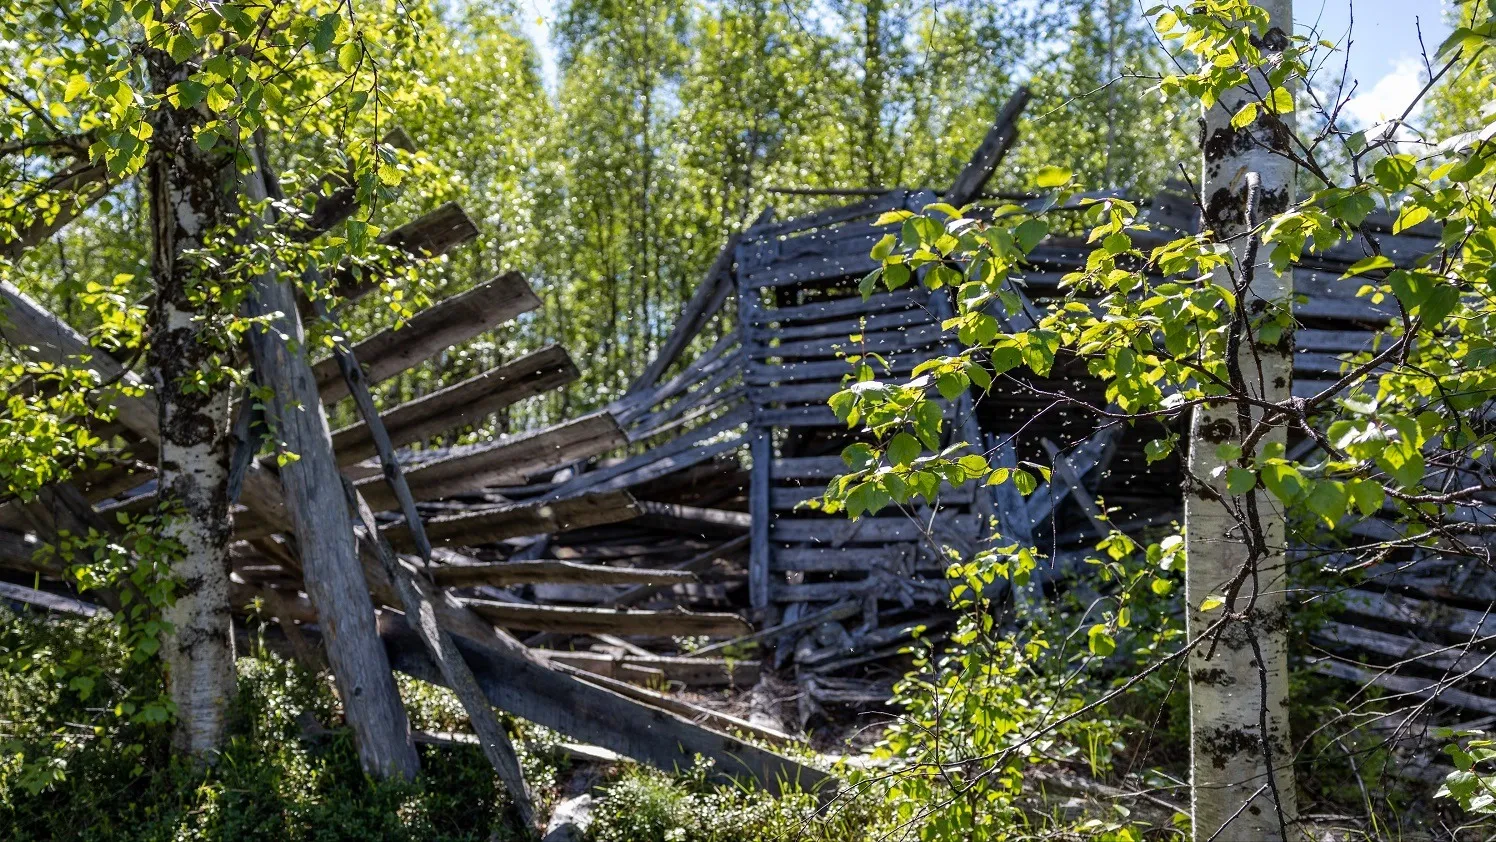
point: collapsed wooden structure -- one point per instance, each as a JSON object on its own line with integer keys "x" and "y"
{"x": 592, "y": 536}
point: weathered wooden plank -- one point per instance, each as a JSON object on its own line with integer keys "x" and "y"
{"x": 506, "y": 573}
{"x": 684, "y": 412}
{"x": 634, "y": 404}
{"x": 814, "y": 269}
{"x": 699, "y": 563}
{"x": 1417, "y": 613}
{"x": 691, "y": 671}
{"x": 761, "y": 452}
{"x": 839, "y": 559}
{"x": 1453, "y": 660}
{"x": 789, "y": 498}
{"x": 990, "y": 152}
{"x": 318, "y": 515}
{"x": 691, "y": 518}
{"x": 880, "y": 342}
{"x": 431, "y": 331}
{"x": 844, "y": 327}
{"x": 840, "y": 308}
{"x": 764, "y": 374}
{"x": 808, "y": 467}
{"x": 567, "y": 620}
{"x": 893, "y": 200}
{"x": 670, "y": 454}
{"x": 835, "y": 531}
{"x": 507, "y": 461}
{"x": 461, "y": 404}
{"x": 597, "y": 716}
{"x": 840, "y": 611}
{"x": 518, "y": 520}
{"x": 429, "y": 235}
{"x": 1421, "y": 688}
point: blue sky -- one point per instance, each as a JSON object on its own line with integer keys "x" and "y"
{"x": 1384, "y": 55}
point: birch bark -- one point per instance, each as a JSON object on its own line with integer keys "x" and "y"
{"x": 1242, "y": 785}
{"x": 190, "y": 195}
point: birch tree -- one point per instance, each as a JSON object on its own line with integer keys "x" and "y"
{"x": 1240, "y": 767}
{"x": 191, "y": 197}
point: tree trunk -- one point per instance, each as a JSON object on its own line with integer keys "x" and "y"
{"x": 324, "y": 531}
{"x": 190, "y": 192}
{"x": 1242, "y": 782}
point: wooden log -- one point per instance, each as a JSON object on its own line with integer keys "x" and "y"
{"x": 704, "y": 716}
{"x": 64, "y": 604}
{"x": 507, "y": 573}
{"x": 838, "y": 308}
{"x": 835, "y": 531}
{"x": 893, "y": 200}
{"x": 696, "y": 564}
{"x": 706, "y": 301}
{"x": 550, "y": 618}
{"x": 419, "y": 601}
{"x": 430, "y": 235}
{"x": 518, "y": 520}
{"x": 968, "y": 184}
{"x": 431, "y": 331}
{"x": 688, "y": 670}
{"x": 837, "y": 612}
{"x": 461, "y": 404}
{"x": 591, "y": 713}
{"x": 507, "y": 461}
{"x": 1406, "y": 685}
{"x": 319, "y": 518}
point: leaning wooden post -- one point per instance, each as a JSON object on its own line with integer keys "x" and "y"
{"x": 418, "y": 597}
{"x": 324, "y": 532}
{"x": 1242, "y": 783}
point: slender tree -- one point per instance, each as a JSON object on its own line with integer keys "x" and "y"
{"x": 191, "y": 194}
{"x": 1242, "y": 780}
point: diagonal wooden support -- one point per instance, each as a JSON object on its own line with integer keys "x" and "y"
{"x": 973, "y": 177}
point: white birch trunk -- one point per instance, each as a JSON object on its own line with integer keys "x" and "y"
{"x": 1242, "y": 785}
{"x": 189, "y": 195}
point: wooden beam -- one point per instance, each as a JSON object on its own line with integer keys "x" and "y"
{"x": 688, "y": 670}
{"x": 430, "y": 235}
{"x": 989, "y": 154}
{"x": 696, "y": 564}
{"x": 461, "y": 404}
{"x": 710, "y": 294}
{"x": 519, "y": 520}
{"x": 507, "y": 461}
{"x": 591, "y": 713}
{"x": 565, "y": 620}
{"x": 506, "y": 573}
{"x": 431, "y": 331}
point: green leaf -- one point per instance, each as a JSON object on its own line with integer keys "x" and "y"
{"x": 1158, "y": 449}
{"x": 1395, "y": 172}
{"x": 1029, "y": 234}
{"x": 1368, "y": 496}
{"x": 1245, "y": 116}
{"x": 1410, "y": 216}
{"x": 1100, "y": 641}
{"x": 1368, "y": 264}
{"x": 349, "y": 56}
{"x": 76, "y": 86}
{"x": 893, "y": 216}
{"x": 1211, "y": 603}
{"x": 327, "y": 29}
{"x": 1052, "y": 176}
{"x": 1024, "y": 482}
{"x": 883, "y": 247}
{"x": 1240, "y": 480}
{"x": 903, "y": 450}
{"x": 181, "y": 47}
{"x": 1281, "y": 102}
